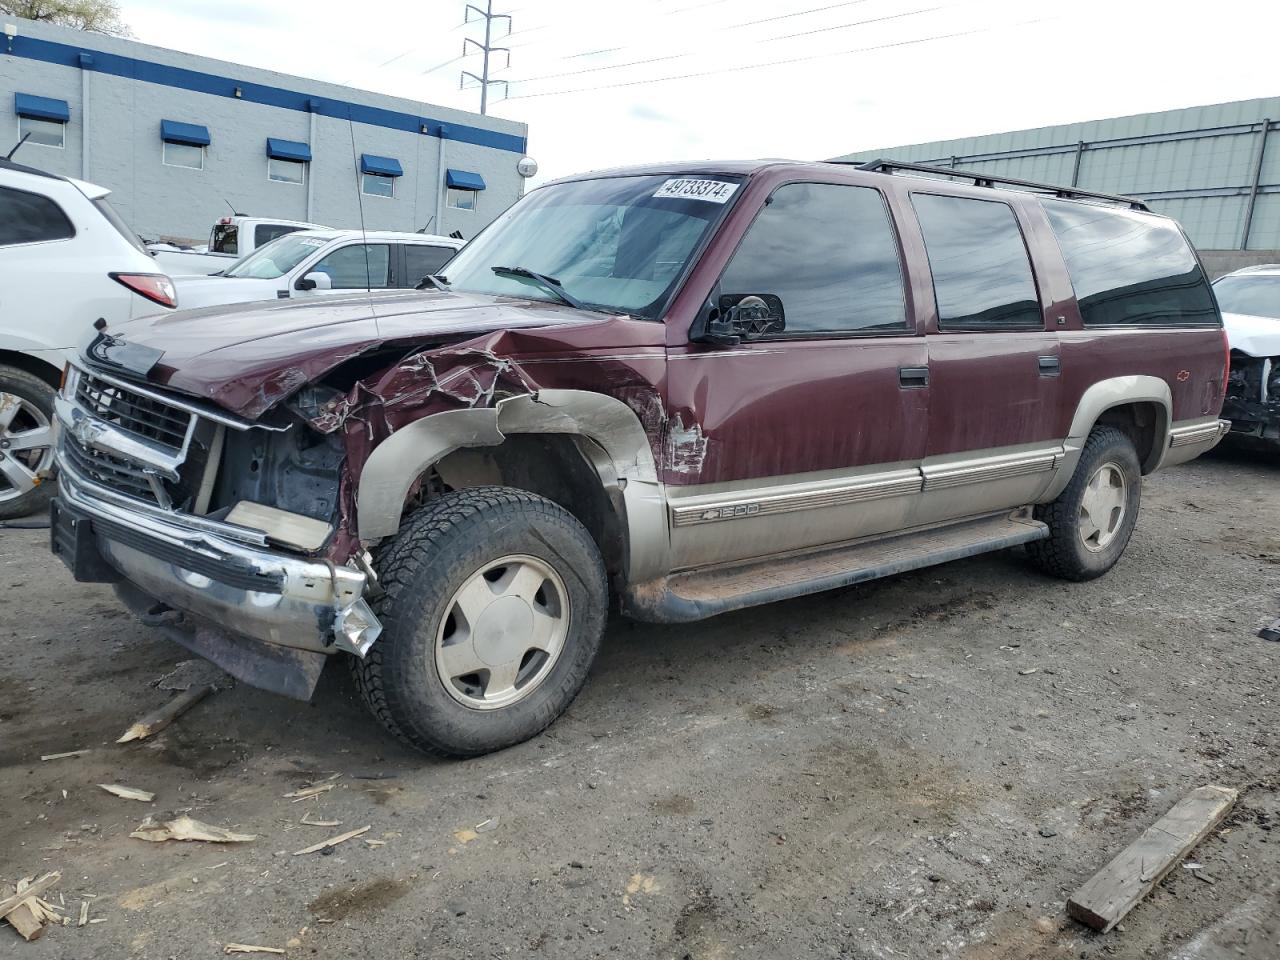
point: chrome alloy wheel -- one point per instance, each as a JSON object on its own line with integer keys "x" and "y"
{"x": 26, "y": 446}
{"x": 503, "y": 631}
{"x": 1102, "y": 507}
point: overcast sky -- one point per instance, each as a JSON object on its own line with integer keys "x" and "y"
{"x": 602, "y": 83}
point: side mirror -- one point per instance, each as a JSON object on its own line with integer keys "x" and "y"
{"x": 736, "y": 317}
{"x": 315, "y": 281}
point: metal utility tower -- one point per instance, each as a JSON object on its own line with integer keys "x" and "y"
{"x": 486, "y": 48}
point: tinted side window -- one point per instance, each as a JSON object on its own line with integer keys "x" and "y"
{"x": 266, "y": 232}
{"x": 1128, "y": 268}
{"x": 829, "y": 253}
{"x": 346, "y": 267}
{"x": 981, "y": 272}
{"x": 31, "y": 218}
{"x": 422, "y": 260}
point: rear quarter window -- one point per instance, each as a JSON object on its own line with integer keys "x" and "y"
{"x": 31, "y": 218}
{"x": 1129, "y": 268}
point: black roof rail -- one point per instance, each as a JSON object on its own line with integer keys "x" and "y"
{"x": 989, "y": 179}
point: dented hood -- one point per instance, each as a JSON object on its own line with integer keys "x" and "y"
{"x": 248, "y": 357}
{"x": 1256, "y": 336}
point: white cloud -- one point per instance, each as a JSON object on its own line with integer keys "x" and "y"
{"x": 783, "y": 78}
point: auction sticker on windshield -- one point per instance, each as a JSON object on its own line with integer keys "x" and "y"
{"x": 712, "y": 191}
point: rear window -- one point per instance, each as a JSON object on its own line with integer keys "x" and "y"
{"x": 266, "y": 232}
{"x": 31, "y": 218}
{"x": 225, "y": 239}
{"x": 113, "y": 218}
{"x": 1130, "y": 269}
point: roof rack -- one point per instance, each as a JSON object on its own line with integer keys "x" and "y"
{"x": 987, "y": 180}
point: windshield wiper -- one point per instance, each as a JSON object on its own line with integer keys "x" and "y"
{"x": 550, "y": 284}
{"x": 432, "y": 280}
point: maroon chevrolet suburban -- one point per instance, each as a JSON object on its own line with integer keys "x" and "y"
{"x": 685, "y": 389}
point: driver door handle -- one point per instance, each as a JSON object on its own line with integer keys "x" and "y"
{"x": 913, "y": 377}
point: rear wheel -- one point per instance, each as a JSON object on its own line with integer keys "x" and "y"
{"x": 1092, "y": 519}
{"x": 26, "y": 443}
{"x": 494, "y": 608}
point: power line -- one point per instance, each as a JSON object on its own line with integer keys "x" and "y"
{"x": 779, "y": 63}
{"x": 801, "y": 13}
{"x": 857, "y": 23}
{"x": 680, "y": 56}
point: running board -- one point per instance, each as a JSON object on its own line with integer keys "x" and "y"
{"x": 685, "y": 597}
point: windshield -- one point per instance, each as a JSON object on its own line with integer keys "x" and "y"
{"x": 1255, "y": 296}
{"x": 277, "y": 258}
{"x": 618, "y": 244}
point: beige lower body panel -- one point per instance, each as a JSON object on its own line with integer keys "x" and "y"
{"x": 724, "y": 522}
{"x": 1189, "y": 439}
{"x": 965, "y": 484}
{"x": 741, "y": 520}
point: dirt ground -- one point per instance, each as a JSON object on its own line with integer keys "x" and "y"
{"x": 924, "y": 766}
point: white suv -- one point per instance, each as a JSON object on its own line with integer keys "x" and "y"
{"x": 66, "y": 261}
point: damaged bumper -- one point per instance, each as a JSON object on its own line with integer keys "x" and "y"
{"x": 267, "y": 617}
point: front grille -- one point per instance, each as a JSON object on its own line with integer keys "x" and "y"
{"x": 134, "y": 412}
{"x": 159, "y": 424}
{"x": 115, "y": 472}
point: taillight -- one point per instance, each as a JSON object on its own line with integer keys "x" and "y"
{"x": 156, "y": 287}
{"x": 1226, "y": 360}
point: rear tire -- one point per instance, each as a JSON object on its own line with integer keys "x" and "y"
{"x": 26, "y": 406}
{"x": 494, "y": 608}
{"x": 1091, "y": 521}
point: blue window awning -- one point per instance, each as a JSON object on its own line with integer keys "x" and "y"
{"x": 171, "y": 131}
{"x": 464, "y": 180}
{"x": 288, "y": 150}
{"x": 383, "y": 166}
{"x": 41, "y": 108}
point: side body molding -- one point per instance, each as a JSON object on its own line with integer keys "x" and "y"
{"x": 609, "y": 424}
{"x": 1097, "y": 400}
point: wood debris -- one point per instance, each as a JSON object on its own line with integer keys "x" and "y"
{"x": 128, "y": 793}
{"x": 249, "y": 948}
{"x": 84, "y": 913}
{"x": 1116, "y": 889}
{"x": 375, "y": 843}
{"x": 306, "y": 818}
{"x": 25, "y": 911}
{"x": 64, "y": 756}
{"x": 157, "y": 720}
{"x": 185, "y": 828}
{"x": 306, "y": 793}
{"x": 333, "y": 841}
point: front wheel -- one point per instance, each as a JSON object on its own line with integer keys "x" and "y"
{"x": 26, "y": 443}
{"x": 1091, "y": 521}
{"x": 494, "y": 607}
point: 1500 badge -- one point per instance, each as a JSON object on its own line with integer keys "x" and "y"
{"x": 731, "y": 512}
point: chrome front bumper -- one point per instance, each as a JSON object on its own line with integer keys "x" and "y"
{"x": 248, "y": 590}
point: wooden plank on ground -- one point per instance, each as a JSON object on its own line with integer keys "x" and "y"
{"x": 1115, "y": 889}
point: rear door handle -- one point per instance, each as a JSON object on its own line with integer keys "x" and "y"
{"x": 913, "y": 376}
{"x": 1049, "y": 366}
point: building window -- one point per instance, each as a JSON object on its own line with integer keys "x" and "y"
{"x": 460, "y": 199}
{"x": 184, "y": 144}
{"x": 46, "y": 133}
{"x": 286, "y": 171}
{"x": 183, "y": 155}
{"x": 378, "y": 185}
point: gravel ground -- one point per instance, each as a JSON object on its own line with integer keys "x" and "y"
{"x": 924, "y": 766}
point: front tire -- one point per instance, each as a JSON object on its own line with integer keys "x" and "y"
{"x": 1091, "y": 521}
{"x": 26, "y": 443}
{"x": 494, "y": 608}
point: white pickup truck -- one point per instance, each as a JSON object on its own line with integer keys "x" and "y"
{"x": 230, "y": 239}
